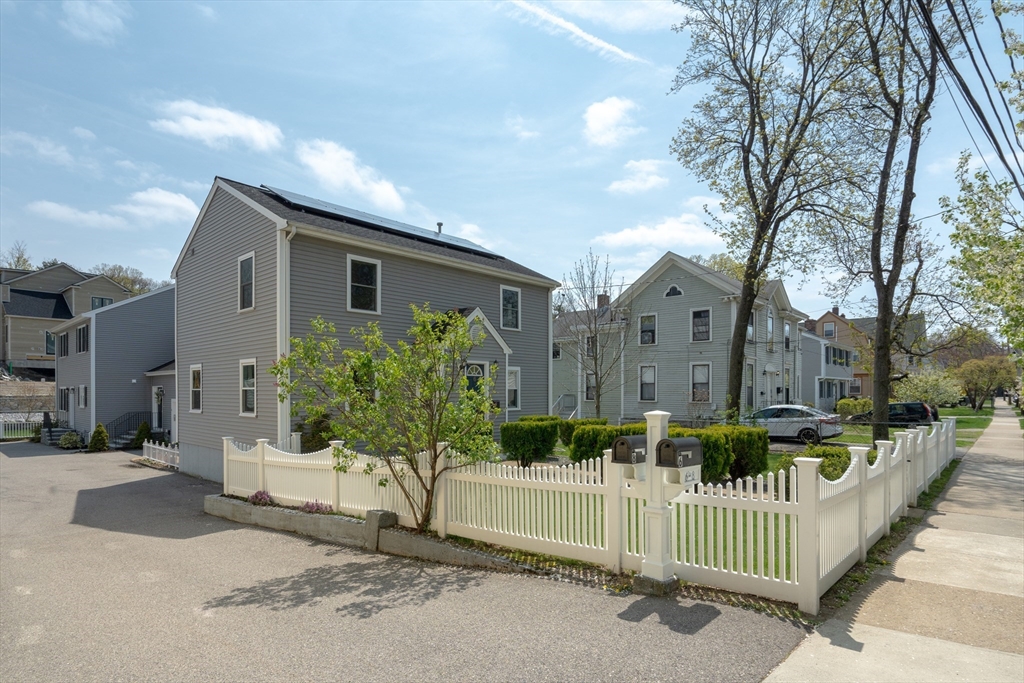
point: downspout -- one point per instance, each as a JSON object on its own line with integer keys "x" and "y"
{"x": 551, "y": 347}
{"x": 622, "y": 375}
{"x": 506, "y": 387}
{"x": 283, "y": 318}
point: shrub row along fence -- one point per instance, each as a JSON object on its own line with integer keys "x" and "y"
{"x": 159, "y": 452}
{"x": 788, "y": 536}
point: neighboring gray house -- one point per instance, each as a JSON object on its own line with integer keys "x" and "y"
{"x": 115, "y": 365}
{"x": 260, "y": 263}
{"x": 677, "y": 351}
{"x": 827, "y": 370}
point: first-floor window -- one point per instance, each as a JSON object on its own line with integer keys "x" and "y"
{"x": 648, "y": 383}
{"x": 247, "y": 382}
{"x": 591, "y": 387}
{"x": 556, "y": 351}
{"x": 64, "y": 399}
{"x": 701, "y": 382}
{"x": 750, "y": 385}
{"x": 855, "y": 386}
{"x": 196, "y": 384}
{"x": 83, "y": 396}
{"x": 512, "y": 386}
{"x": 821, "y": 388}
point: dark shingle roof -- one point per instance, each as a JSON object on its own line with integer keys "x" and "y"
{"x": 166, "y": 366}
{"x": 37, "y": 305}
{"x": 366, "y": 231}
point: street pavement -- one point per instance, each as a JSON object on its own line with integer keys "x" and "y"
{"x": 111, "y": 572}
{"x": 951, "y": 606}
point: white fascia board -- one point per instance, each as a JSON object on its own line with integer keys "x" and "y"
{"x": 332, "y": 236}
{"x": 475, "y": 314}
{"x": 219, "y": 184}
{"x": 671, "y": 258}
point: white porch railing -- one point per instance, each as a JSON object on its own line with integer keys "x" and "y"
{"x": 21, "y": 429}
{"x": 788, "y": 536}
{"x": 168, "y": 455}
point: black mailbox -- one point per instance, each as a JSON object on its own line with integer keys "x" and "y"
{"x": 680, "y": 452}
{"x": 629, "y": 450}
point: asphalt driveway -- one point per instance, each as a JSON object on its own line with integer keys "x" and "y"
{"x": 110, "y": 571}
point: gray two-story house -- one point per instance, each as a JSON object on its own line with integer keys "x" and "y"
{"x": 676, "y": 351}
{"x": 260, "y": 263}
{"x": 827, "y": 369}
{"x": 115, "y": 366}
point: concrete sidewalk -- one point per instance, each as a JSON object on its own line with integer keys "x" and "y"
{"x": 951, "y": 606}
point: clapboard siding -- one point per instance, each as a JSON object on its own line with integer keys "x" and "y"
{"x": 72, "y": 371}
{"x": 318, "y": 282}
{"x": 213, "y": 333}
{"x": 82, "y": 295}
{"x": 53, "y": 279}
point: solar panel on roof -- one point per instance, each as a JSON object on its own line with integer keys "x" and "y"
{"x": 386, "y": 224}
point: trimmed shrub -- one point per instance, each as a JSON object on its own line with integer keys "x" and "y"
{"x": 835, "y": 460}
{"x": 540, "y": 418}
{"x": 717, "y": 454}
{"x": 529, "y": 440}
{"x": 37, "y": 434}
{"x": 141, "y": 435}
{"x": 99, "y": 441}
{"x": 853, "y": 406}
{"x": 749, "y": 446}
{"x": 590, "y": 441}
{"x": 70, "y": 440}
{"x": 567, "y": 427}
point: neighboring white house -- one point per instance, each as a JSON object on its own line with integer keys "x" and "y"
{"x": 827, "y": 370}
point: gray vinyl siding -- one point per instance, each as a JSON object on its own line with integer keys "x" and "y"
{"x": 50, "y": 280}
{"x": 567, "y": 379}
{"x": 212, "y": 332}
{"x": 129, "y": 340}
{"x": 83, "y": 294}
{"x": 72, "y": 371}
{"x": 318, "y": 287}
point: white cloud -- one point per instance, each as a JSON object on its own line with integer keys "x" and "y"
{"x": 474, "y": 233}
{"x": 156, "y": 205}
{"x": 559, "y": 26}
{"x": 517, "y": 124}
{"x": 206, "y": 12}
{"x": 99, "y": 21}
{"x": 216, "y": 126}
{"x": 143, "y": 209}
{"x": 18, "y": 142}
{"x": 338, "y": 169}
{"x": 608, "y": 122}
{"x": 641, "y": 176}
{"x": 83, "y": 133}
{"x": 636, "y": 15}
{"x": 685, "y": 231}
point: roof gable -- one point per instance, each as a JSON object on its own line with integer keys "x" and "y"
{"x": 728, "y": 286}
{"x": 64, "y": 274}
{"x": 477, "y": 314}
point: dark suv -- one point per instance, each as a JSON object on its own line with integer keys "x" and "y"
{"x": 904, "y": 414}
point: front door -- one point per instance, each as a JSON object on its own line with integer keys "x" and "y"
{"x": 786, "y": 385}
{"x": 475, "y": 373}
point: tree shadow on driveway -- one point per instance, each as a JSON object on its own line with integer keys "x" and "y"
{"x": 686, "y": 620}
{"x": 367, "y": 585}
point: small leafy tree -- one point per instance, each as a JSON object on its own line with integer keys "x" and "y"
{"x": 982, "y": 378}
{"x": 933, "y": 386}
{"x": 410, "y": 404}
{"x": 99, "y": 441}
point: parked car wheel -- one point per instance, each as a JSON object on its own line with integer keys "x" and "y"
{"x": 809, "y": 436}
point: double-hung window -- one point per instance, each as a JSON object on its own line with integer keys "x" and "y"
{"x": 101, "y": 301}
{"x": 62, "y": 345}
{"x": 246, "y": 278}
{"x": 828, "y": 330}
{"x": 648, "y": 383}
{"x": 83, "y": 396}
{"x": 700, "y": 379}
{"x": 785, "y": 332}
{"x": 700, "y": 325}
{"x": 750, "y": 385}
{"x": 64, "y": 399}
{"x": 82, "y": 339}
{"x": 590, "y": 389}
{"x": 512, "y": 387}
{"x": 750, "y": 327}
{"x": 649, "y": 330}
{"x": 196, "y": 388}
{"x": 510, "y": 301}
{"x": 50, "y": 343}
{"x": 591, "y": 344}
{"x": 363, "y": 284}
{"x": 556, "y": 351}
{"x": 771, "y": 331}
{"x": 247, "y": 387}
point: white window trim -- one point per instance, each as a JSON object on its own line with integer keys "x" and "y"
{"x": 711, "y": 326}
{"x": 238, "y": 289}
{"x": 501, "y": 307}
{"x": 348, "y": 282}
{"x": 470, "y": 361}
{"x": 241, "y": 389}
{"x": 826, "y": 335}
{"x": 519, "y": 388}
{"x": 640, "y": 381}
{"x": 78, "y": 341}
{"x": 640, "y": 332}
{"x": 202, "y": 381}
{"x": 769, "y": 330}
{"x": 585, "y": 399}
{"x": 711, "y": 384}
{"x": 559, "y": 345}
{"x": 81, "y": 395}
{"x": 787, "y": 338}
{"x": 681, "y": 294}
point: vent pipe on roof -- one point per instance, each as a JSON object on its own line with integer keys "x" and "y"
{"x": 439, "y": 224}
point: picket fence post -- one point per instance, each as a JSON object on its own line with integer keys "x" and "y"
{"x": 227, "y": 485}
{"x": 261, "y": 471}
{"x": 807, "y": 533}
{"x": 901, "y": 447}
{"x": 335, "y": 483}
{"x": 613, "y": 504}
{"x": 861, "y": 465}
{"x": 913, "y": 457}
{"x": 441, "y": 494}
{"x": 296, "y": 445}
{"x": 884, "y": 454}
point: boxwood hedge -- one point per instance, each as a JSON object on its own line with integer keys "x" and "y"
{"x": 529, "y": 440}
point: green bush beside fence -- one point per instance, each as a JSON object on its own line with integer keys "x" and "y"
{"x": 529, "y": 440}
{"x": 749, "y": 446}
{"x": 567, "y": 427}
{"x": 540, "y": 418}
{"x": 853, "y": 406}
{"x": 835, "y": 460}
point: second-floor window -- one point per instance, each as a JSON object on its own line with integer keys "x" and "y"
{"x": 648, "y": 330}
{"x": 363, "y": 284}
{"x": 510, "y": 308}
{"x": 246, "y": 276}
{"x": 82, "y": 339}
{"x": 785, "y": 332}
{"x": 828, "y": 330}
{"x": 750, "y": 327}
{"x": 196, "y": 388}
{"x": 556, "y": 351}
{"x": 591, "y": 346}
{"x": 701, "y": 321}
{"x": 62, "y": 344}
{"x": 101, "y": 301}
{"x": 50, "y": 343}
{"x": 771, "y": 328}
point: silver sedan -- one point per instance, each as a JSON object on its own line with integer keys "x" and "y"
{"x": 809, "y": 425}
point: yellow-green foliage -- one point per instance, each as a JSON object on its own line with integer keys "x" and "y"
{"x": 99, "y": 440}
{"x": 567, "y": 427}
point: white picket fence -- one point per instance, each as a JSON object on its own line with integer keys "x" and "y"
{"x": 788, "y": 536}
{"x": 168, "y": 455}
{"x": 21, "y": 429}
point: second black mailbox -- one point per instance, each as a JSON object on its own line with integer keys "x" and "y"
{"x": 680, "y": 452}
{"x": 629, "y": 450}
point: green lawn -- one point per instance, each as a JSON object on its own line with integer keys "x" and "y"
{"x": 965, "y": 411}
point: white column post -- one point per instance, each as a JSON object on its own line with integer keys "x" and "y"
{"x": 952, "y": 446}
{"x": 902, "y": 448}
{"x": 261, "y": 471}
{"x": 657, "y": 563}
{"x": 335, "y": 487}
{"x": 227, "y": 442}
{"x": 296, "y": 442}
{"x": 860, "y": 464}
{"x": 807, "y": 533}
{"x": 613, "y": 506}
{"x": 913, "y": 457}
{"x": 884, "y": 455}
{"x": 441, "y": 494}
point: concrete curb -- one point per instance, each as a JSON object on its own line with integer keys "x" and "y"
{"x": 373, "y": 534}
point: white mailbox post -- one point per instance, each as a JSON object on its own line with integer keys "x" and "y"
{"x": 657, "y": 563}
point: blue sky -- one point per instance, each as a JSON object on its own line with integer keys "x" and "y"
{"x": 538, "y": 129}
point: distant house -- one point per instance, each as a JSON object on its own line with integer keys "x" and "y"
{"x": 827, "y": 370}
{"x": 260, "y": 263}
{"x": 34, "y": 300}
{"x": 115, "y": 366}
{"x": 677, "y": 350}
